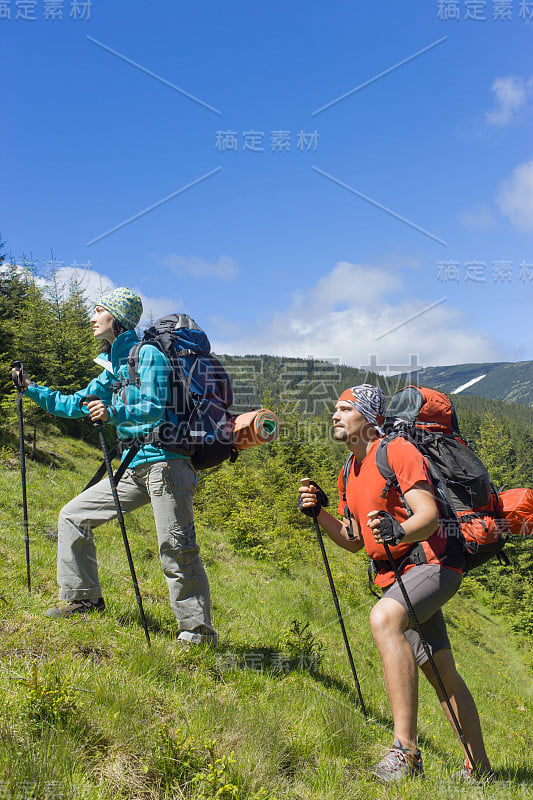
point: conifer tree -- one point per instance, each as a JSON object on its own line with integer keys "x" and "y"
{"x": 52, "y": 336}
{"x": 11, "y": 299}
{"x": 11, "y": 294}
{"x": 498, "y": 452}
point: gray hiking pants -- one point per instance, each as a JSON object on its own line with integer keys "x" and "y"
{"x": 169, "y": 486}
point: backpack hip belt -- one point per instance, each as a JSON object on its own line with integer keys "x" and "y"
{"x": 416, "y": 555}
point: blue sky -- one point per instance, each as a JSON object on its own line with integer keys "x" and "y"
{"x": 399, "y": 222}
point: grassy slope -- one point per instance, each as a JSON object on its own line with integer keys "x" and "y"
{"x": 136, "y": 722}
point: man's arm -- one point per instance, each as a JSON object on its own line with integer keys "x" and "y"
{"x": 336, "y": 529}
{"x": 424, "y": 520}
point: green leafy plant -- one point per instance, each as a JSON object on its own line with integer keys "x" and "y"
{"x": 303, "y": 647}
{"x": 172, "y": 759}
{"x": 216, "y": 781}
{"x": 45, "y": 699}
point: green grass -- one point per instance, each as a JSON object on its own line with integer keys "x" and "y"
{"x": 88, "y": 711}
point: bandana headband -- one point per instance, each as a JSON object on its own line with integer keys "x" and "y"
{"x": 369, "y": 401}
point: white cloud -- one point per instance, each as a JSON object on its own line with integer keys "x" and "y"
{"x": 511, "y": 95}
{"x": 515, "y": 198}
{"x": 225, "y": 269}
{"x": 343, "y": 315}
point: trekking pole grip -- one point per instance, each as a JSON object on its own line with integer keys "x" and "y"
{"x": 89, "y": 399}
{"x": 306, "y": 482}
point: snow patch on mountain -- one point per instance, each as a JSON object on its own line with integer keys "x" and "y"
{"x": 469, "y": 384}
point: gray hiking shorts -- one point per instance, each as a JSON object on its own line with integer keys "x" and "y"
{"x": 429, "y": 587}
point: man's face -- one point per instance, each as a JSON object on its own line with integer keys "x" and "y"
{"x": 349, "y": 425}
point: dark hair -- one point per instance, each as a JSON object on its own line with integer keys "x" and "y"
{"x": 118, "y": 328}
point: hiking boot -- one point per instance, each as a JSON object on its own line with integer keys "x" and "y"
{"x": 186, "y": 639}
{"x": 77, "y": 607}
{"x": 469, "y": 774}
{"x": 398, "y": 764}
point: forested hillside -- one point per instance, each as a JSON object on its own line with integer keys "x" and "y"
{"x": 47, "y": 327}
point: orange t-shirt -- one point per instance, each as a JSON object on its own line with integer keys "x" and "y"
{"x": 364, "y": 487}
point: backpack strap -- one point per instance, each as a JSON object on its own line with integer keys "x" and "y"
{"x": 102, "y": 469}
{"x": 345, "y": 472}
{"x": 133, "y": 363}
{"x": 163, "y": 344}
{"x": 416, "y": 555}
{"x": 386, "y": 471}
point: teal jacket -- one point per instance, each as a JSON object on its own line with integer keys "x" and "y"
{"x": 134, "y": 410}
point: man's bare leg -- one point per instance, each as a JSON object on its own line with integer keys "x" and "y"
{"x": 462, "y": 703}
{"x": 388, "y": 621}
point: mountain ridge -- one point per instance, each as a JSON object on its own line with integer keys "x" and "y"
{"x": 316, "y": 384}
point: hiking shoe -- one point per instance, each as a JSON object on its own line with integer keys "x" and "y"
{"x": 398, "y": 764}
{"x": 469, "y": 774}
{"x": 77, "y": 607}
{"x": 188, "y": 638}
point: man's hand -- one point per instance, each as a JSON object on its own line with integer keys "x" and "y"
{"x": 385, "y": 528}
{"x": 97, "y": 411}
{"x": 20, "y": 378}
{"x": 311, "y": 498}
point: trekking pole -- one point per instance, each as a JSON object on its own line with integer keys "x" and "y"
{"x": 306, "y": 482}
{"x": 120, "y": 516}
{"x": 17, "y": 380}
{"x": 427, "y": 651}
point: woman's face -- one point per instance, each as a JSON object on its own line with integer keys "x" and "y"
{"x": 102, "y": 322}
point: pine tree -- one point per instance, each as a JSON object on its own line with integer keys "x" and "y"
{"x": 52, "y": 336}
{"x": 11, "y": 297}
{"x": 497, "y": 450}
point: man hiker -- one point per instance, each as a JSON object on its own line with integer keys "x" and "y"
{"x": 356, "y": 421}
{"x": 165, "y": 479}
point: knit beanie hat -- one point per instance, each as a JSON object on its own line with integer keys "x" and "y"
{"x": 369, "y": 401}
{"x": 125, "y": 306}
